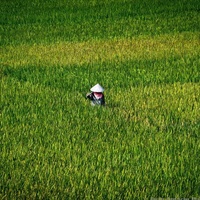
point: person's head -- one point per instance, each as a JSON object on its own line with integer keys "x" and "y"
{"x": 98, "y": 94}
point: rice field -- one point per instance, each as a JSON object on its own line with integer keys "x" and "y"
{"x": 144, "y": 144}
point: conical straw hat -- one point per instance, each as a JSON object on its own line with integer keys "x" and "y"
{"x": 97, "y": 88}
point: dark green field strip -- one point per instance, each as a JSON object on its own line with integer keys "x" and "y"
{"x": 26, "y": 12}
{"x": 135, "y": 72}
{"x": 52, "y": 21}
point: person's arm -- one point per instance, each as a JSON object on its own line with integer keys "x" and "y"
{"x": 90, "y": 96}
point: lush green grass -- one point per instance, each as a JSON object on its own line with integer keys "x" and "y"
{"x": 144, "y": 143}
{"x": 52, "y": 21}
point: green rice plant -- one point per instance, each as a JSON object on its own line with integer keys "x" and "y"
{"x": 143, "y": 144}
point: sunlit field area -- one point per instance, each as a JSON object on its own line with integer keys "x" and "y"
{"x": 144, "y": 144}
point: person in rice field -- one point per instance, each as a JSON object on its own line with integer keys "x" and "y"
{"x": 96, "y": 95}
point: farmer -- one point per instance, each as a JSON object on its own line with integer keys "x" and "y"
{"x": 96, "y": 96}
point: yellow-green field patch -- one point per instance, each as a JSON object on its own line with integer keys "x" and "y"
{"x": 159, "y": 101}
{"x": 67, "y": 53}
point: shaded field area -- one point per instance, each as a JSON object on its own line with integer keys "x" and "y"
{"x": 144, "y": 143}
{"x": 54, "y": 21}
